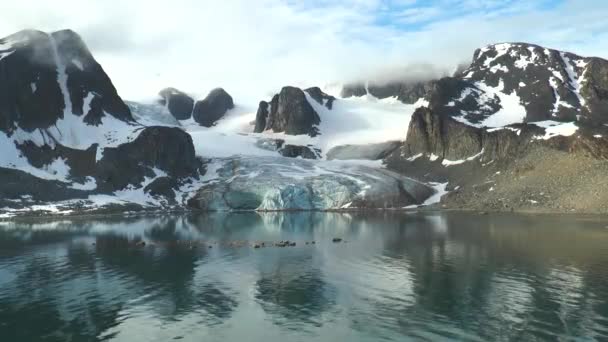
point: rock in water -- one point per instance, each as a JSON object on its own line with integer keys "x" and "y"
{"x": 289, "y": 112}
{"x": 180, "y": 104}
{"x": 213, "y": 107}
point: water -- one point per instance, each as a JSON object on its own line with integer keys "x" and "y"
{"x": 399, "y": 277}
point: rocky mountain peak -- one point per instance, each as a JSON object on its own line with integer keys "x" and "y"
{"x": 549, "y": 84}
{"x": 290, "y": 111}
{"x": 46, "y": 77}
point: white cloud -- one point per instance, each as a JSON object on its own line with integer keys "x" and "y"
{"x": 253, "y": 47}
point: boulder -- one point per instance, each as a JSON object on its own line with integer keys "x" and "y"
{"x": 179, "y": 104}
{"x": 208, "y": 111}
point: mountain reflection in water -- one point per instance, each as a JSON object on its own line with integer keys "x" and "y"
{"x": 397, "y": 277}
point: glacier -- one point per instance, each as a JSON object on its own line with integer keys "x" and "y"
{"x": 278, "y": 183}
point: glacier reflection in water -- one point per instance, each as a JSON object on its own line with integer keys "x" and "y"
{"x": 397, "y": 277}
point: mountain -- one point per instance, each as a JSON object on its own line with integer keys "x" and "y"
{"x": 66, "y": 134}
{"x": 513, "y": 102}
{"x": 520, "y": 128}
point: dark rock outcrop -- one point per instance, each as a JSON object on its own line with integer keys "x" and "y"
{"x": 353, "y": 89}
{"x": 81, "y": 162}
{"x": 295, "y": 151}
{"x": 367, "y": 152}
{"x": 318, "y": 95}
{"x": 19, "y": 185}
{"x": 446, "y": 138}
{"x": 213, "y": 107}
{"x": 44, "y": 77}
{"x": 260, "y": 117}
{"x": 163, "y": 187}
{"x": 168, "y": 149}
{"x": 406, "y": 91}
{"x": 289, "y": 112}
{"x": 53, "y": 89}
{"x": 180, "y": 104}
{"x": 549, "y": 84}
{"x": 288, "y": 150}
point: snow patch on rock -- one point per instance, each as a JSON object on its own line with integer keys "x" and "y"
{"x": 555, "y": 128}
{"x": 447, "y": 162}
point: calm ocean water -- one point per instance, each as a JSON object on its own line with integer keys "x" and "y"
{"x": 395, "y": 277}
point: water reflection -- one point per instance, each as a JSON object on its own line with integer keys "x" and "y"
{"x": 398, "y": 277}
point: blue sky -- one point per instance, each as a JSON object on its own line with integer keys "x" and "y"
{"x": 416, "y": 15}
{"x": 253, "y": 47}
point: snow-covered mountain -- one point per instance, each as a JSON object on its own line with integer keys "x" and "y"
{"x": 65, "y": 134}
{"x": 69, "y": 143}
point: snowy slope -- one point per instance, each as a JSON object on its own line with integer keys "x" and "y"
{"x": 511, "y": 83}
{"x": 70, "y": 130}
{"x": 352, "y": 121}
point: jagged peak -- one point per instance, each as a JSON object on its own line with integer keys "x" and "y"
{"x": 518, "y": 50}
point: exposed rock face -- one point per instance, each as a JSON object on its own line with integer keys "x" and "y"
{"x": 162, "y": 187}
{"x": 446, "y": 138}
{"x": 368, "y": 152}
{"x": 295, "y": 151}
{"x": 213, "y": 107}
{"x": 261, "y": 116}
{"x": 302, "y": 185}
{"x": 290, "y": 112}
{"x": 167, "y": 149}
{"x": 531, "y": 82}
{"x": 288, "y": 150}
{"x": 486, "y": 107}
{"x": 65, "y": 131}
{"x": 406, "y": 92}
{"x": 321, "y": 97}
{"x": 512, "y": 83}
{"x": 45, "y": 77}
{"x": 19, "y": 185}
{"x": 180, "y": 104}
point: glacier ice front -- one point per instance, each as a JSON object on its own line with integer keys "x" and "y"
{"x": 274, "y": 183}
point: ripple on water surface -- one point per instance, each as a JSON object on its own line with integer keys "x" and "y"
{"x": 393, "y": 277}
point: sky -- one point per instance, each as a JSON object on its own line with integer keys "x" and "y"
{"x": 254, "y": 47}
